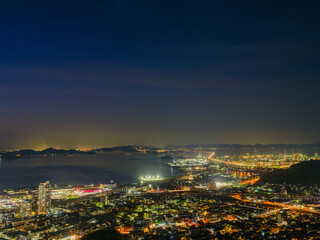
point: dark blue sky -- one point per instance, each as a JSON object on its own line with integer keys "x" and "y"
{"x": 102, "y": 73}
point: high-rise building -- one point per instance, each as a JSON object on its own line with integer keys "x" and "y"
{"x": 44, "y": 203}
{"x": 25, "y": 208}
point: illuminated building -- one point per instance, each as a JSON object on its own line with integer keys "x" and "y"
{"x": 212, "y": 186}
{"x": 44, "y": 204}
{"x": 88, "y": 190}
{"x": 169, "y": 219}
{"x": 25, "y": 208}
{"x": 6, "y": 218}
{"x": 108, "y": 186}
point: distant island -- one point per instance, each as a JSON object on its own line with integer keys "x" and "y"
{"x": 130, "y": 148}
{"x": 53, "y": 151}
{"x": 45, "y": 152}
{"x": 118, "y": 148}
{"x": 307, "y": 172}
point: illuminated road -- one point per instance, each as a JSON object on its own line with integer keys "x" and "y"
{"x": 250, "y": 181}
{"x": 304, "y": 210}
{"x": 232, "y": 163}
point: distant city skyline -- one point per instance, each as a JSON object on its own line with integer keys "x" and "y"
{"x": 86, "y": 75}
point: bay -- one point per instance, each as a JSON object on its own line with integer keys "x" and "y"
{"x": 80, "y": 169}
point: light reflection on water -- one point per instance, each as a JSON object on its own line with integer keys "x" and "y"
{"x": 82, "y": 169}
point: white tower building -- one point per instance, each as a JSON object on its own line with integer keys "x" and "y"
{"x": 44, "y": 203}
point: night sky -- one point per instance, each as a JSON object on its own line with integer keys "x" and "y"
{"x": 104, "y": 73}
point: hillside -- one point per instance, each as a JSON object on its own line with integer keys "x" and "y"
{"x": 302, "y": 173}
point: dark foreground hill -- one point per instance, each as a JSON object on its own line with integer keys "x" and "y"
{"x": 302, "y": 173}
{"x": 109, "y": 234}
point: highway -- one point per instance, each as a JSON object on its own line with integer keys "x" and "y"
{"x": 303, "y": 210}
